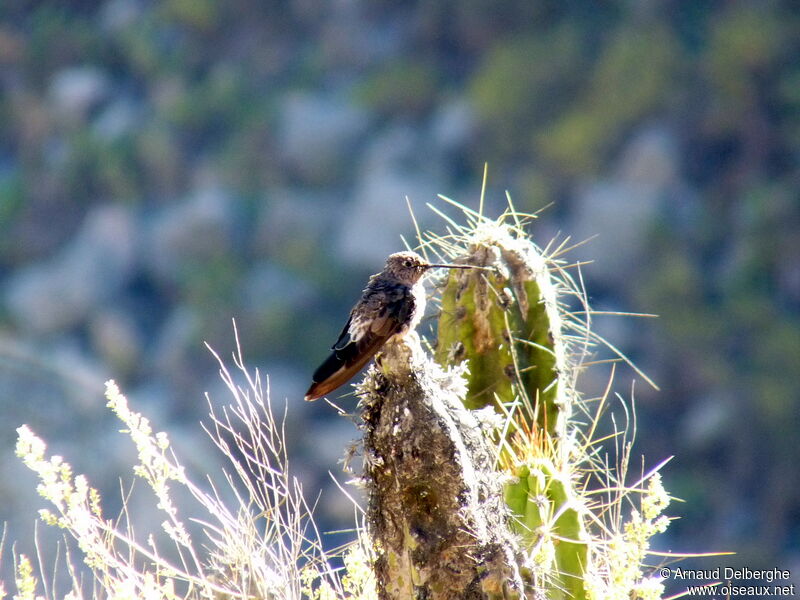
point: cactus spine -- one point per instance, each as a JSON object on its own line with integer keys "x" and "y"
{"x": 506, "y": 326}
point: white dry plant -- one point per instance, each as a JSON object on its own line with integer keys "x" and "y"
{"x": 264, "y": 544}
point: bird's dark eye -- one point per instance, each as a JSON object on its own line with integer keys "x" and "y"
{"x": 408, "y": 263}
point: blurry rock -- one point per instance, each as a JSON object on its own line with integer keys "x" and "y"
{"x": 12, "y": 45}
{"x": 620, "y": 214}
{"x": 288, "y": 383}
{"x": 61, "y": 383}
{"x": 268, "y": 286}
{"x": 177, "y": 338}
{"x": 452, "y": 126}
{"x": 82, "y": 376}
{"x": 274, "y": 302}
{"x": 116, "y": 339}
{"x": 92, "y": 268}
{"x": 651, "y": 158}
{"x": 706, "y": 421}
{"x": 57, "y": 381}
{"x": 788, "y": 278}
{"x": 325, "y": 446}
{"x": 116, "y": 120}
{"x": 622, "y": 211}
{"x": 151, "y": 397}
{"x": 76, "y": 90}
{"x": 318, "y": 133}
{"x": 622, "y": 331}
{"x": 190, "y": 232}
{"x": 43, "y": 398}
{"x": 327, "y": 439}
{"x": 392, "y": 169}
{"x": 349, "y": 39}
{"x": 292, "y": 224}
{"x": 119, "y": 14}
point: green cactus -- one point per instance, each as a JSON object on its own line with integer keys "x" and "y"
{"x": 506, "y": 325}
{"x": 549, "y": 519}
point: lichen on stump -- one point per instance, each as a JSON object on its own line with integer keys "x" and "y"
{"x": 460, "y": 508}
{"x": 436, "y": 509}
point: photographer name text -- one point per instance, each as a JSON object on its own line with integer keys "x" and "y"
{"x": 727, "y": 573}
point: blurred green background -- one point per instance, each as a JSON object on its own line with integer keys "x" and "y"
{"x": 167, "y": 166}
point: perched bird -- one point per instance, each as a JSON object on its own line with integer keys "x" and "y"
{"x": 392, "y": 304}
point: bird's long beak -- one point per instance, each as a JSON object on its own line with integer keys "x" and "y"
{"x": 446, "y": 266}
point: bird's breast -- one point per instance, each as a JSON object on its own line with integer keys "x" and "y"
{"x": 416, "y": 300}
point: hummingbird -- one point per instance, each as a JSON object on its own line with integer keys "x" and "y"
{"x": 391, "y": 305}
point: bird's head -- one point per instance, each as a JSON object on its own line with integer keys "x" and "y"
{"x": 406, "y": 267}
{"x": 409, "y": 267}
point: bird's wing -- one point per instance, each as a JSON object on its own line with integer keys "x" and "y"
{"x": 344, "y": 337}
{"x": 361, "y": 338}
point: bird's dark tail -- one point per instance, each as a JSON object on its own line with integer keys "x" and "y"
{"x": 336, "y": 371}
{"x": 323, "y": 375}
